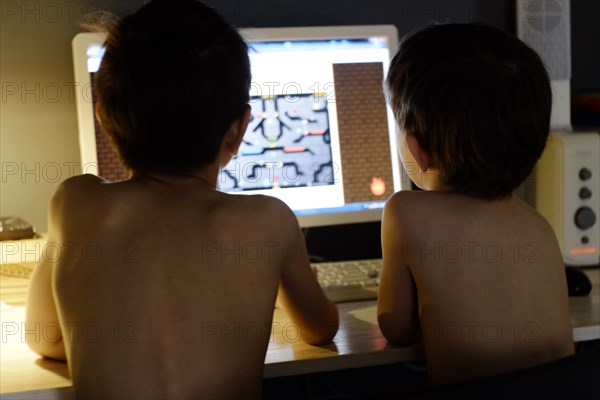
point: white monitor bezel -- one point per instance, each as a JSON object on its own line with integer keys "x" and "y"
{"x": 83, "y": 99}
{"x": 85, "y": 113}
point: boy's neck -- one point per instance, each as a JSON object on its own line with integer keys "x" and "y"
{"x": 430, "y": 180}
{"x": 205, "y": 176}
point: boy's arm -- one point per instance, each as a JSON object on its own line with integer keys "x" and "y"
{"x": 44, "y": 333}
{"x": 397, "y": 307}
{"x": 300, "y": 293}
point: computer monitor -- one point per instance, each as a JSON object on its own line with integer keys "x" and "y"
{"x": 321, "y": 137}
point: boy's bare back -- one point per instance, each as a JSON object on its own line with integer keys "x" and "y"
{"x": 491, "y": 287}
{"x": 160, "y": 286}
{"x": 177, "y": 284}
{"x": 468, "y": 268}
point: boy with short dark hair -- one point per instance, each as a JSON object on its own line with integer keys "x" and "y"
{"x": 467, "y": 266}
{"x": 168, "y": 290}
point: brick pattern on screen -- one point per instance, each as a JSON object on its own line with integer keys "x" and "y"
{"x": 363, "y": 126}
{"x": 110, "y": 166}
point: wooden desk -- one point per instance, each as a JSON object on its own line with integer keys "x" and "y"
{"x": 359, "y": 343}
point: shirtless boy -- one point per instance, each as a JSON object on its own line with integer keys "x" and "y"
{"x": 468, "y": 268}
{"x": 164, "y": 287}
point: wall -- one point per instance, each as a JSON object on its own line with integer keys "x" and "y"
{"x": 38, "y": 123}
{"x": 38, "y": 126}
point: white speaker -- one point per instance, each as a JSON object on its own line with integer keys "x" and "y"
{"x": 567, "y": 194}
{"x": 545, "y": 25}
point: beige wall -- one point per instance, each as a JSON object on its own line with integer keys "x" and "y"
{"x": 38, "y": 122}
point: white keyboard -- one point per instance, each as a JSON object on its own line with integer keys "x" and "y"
{"x": 349, "y": 280}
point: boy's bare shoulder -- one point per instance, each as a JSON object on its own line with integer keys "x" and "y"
{"x": 81, "y": 180}
{"x": 74, "y": 187}
{"x": 259, "y": 201}
{"x": 417, "y": 206}
{"x": 424, "y": 199}
{"x": 410, "y": 197}
{"x": 271, "y": 211}
{"x": 427, "y": 213}
{"x": 409, "y": 215}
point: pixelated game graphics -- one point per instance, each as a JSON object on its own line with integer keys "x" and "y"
{"x": 287, "y": 144}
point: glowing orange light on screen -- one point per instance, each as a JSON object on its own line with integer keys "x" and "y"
{"x": 377, "y": 186}
{"x": 584, "y": 250}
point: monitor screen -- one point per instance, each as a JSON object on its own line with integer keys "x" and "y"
{"x": 321, "y": 137}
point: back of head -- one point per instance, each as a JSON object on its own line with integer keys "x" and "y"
{"x": 478, "y": 101}
{"x": 173, "y": 79}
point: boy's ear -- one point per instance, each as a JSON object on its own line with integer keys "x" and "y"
{"x": 235, "y": 134}
{"x": 419, "y": 155}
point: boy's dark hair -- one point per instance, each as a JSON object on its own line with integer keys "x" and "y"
{"x": 173, "y": 79}
{"x": 478, "y": 101}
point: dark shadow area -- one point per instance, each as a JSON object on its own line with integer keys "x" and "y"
{"x": 571, "y": 377}
{"x": 355, "y": 383}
